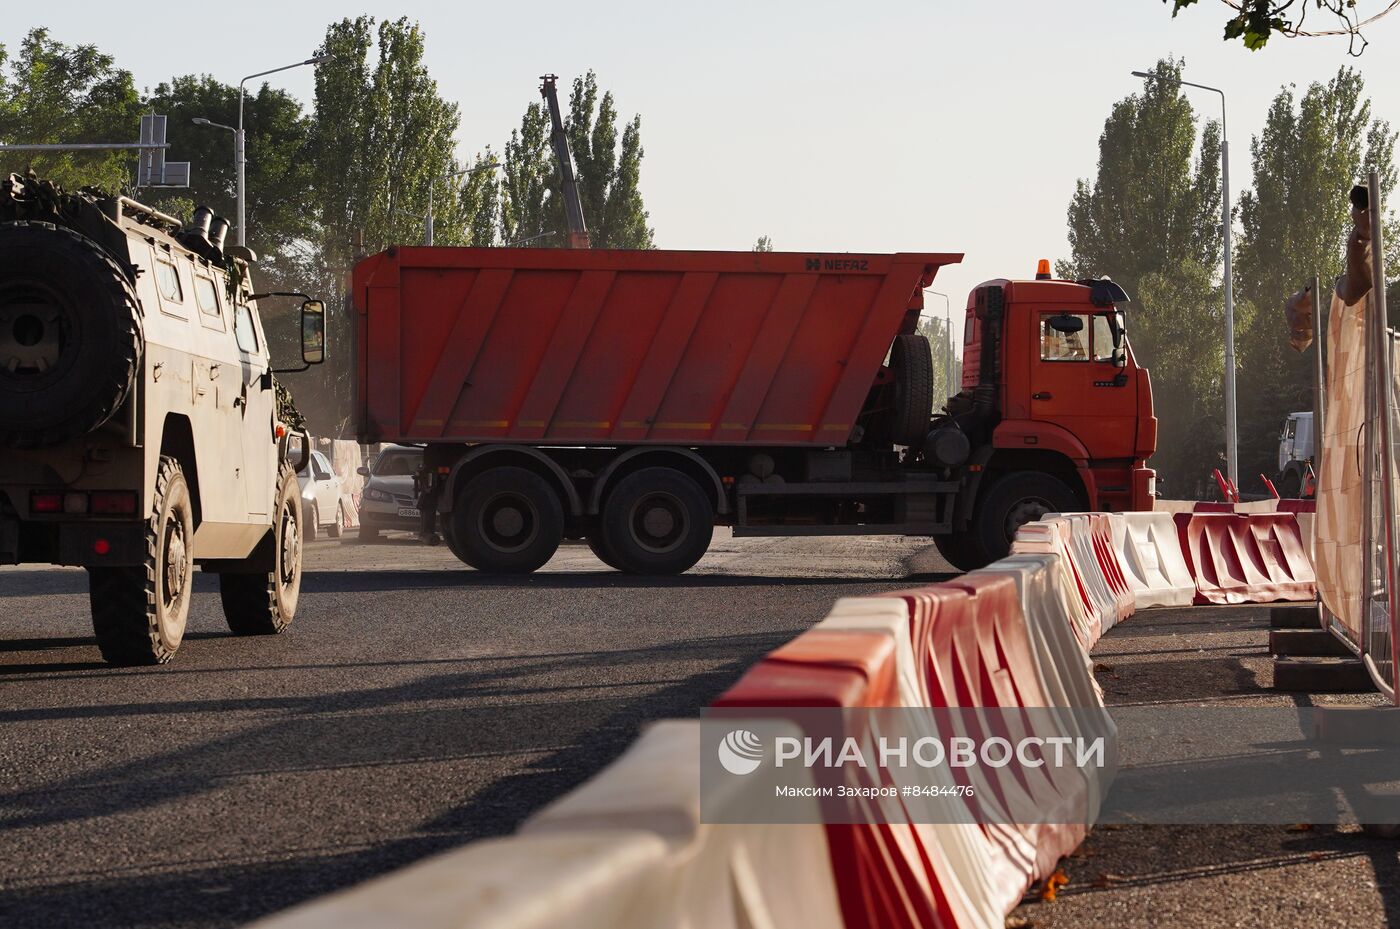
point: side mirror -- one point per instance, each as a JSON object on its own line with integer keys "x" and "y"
{"x": 1066, "y": 323}
{"x": 313, "y": 332}
{"x": 362, "y": 471}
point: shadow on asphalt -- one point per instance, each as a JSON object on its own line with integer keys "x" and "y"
{"x": 481, "y": 708}
{"x": 366, "y": 581}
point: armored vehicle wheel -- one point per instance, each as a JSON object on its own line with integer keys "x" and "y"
{"x": 960, "y": 549}
{"x": 139, "y": 613}
{"x": 657, "y": 521}
{"x": 337, "y": 529}
{"x": 70, "y": 335}
{"x": 507, "y": 521}
{"x": 265, "y": 602}
{"x": 912, "y": 363}
{"x": 1014, "y": 500}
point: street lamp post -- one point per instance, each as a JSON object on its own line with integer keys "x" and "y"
{"x": 1231, "y": 426}
{"x": 240, "y": 152}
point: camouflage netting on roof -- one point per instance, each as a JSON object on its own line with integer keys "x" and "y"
{"x": 26, "y": 198}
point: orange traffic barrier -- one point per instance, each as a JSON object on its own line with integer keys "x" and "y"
{"x": 1254, "y": 558}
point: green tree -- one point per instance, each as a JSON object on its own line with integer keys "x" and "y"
{"x": 67, "y": 93}
{"x": 1150, "y": 206}
{"x": 608, "y": 171}
{"x": 282, "y": 230}
{"x": 1294, "y": 223}
{"x": 1151, "y": 221}
{"x": 381, "y": 137}
{"x": 947, "y": 379}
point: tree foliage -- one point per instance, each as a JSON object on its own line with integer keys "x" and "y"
{"x": 1151, "y": 221}
{"x": 1294, "y": 223}
{"x": 1252, "y": 22}
{"x": 946, "y": 377}
{"x": 1125, "y": 226}
{"x": 279, "y": 171}
{"x": 51, "y": 92}
{"x": 764, "y": 244}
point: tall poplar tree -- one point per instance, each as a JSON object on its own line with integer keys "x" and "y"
{"x": 1294, "y": 221}
{"x": 607, "y": 168}
{"x": 1150, "y": 219}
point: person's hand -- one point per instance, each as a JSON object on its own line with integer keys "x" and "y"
{"x": 1355, "y": 282}
{"x": 1298, "y": 310}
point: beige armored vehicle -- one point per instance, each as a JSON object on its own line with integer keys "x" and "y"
{"x": 139, "y": 427}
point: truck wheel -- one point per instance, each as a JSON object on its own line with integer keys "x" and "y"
{"x": 139, "y": 613}
{"x": 657, "y": 521}
{"x": 337, "y": 529}
{"x": 265, "y": 602}
{"x": 1014, "y": 500}
{"x": 960, "y": 549}
{"x": 912, "y": 363}
{"x": 70, "y": 335}
{"x": 1290, "y": 486}
{"x": 600, "y": 551}
{"x": 507, "y": 521}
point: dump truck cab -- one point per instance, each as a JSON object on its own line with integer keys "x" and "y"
{"x": 140, "y": 428}
{"x": 1050, "y": 387}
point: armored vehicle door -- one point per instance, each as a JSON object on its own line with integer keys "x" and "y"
{"x": 258, "y": 406}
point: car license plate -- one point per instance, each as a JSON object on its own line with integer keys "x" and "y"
{"x": 410, "y": 511}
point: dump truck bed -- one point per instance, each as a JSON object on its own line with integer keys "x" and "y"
{"x": 610, "y": 347}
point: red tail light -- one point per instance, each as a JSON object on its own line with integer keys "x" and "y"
{"x": 45, "y": 502}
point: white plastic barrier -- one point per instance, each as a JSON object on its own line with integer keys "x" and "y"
{"x": 626, "y": 849}
{"x": 727, "y": 876}
{"x": 1150, "y": 552}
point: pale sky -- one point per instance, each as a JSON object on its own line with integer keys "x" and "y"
{"x": 884, "y": 125}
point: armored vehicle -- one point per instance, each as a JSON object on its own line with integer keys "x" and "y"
{"x": 140, "y": 433}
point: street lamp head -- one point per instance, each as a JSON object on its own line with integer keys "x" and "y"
{"x": 201, "y": 121}
{"x": 318, "y": 59}
{"x": 1142, "y": 74}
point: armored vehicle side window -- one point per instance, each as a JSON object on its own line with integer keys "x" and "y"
{"x": 168, "y": 280}
{"x": 206, "y": 295}
{"x": 244, "y": 330}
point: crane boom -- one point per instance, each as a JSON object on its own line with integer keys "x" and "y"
{"x": 573, "y": 205}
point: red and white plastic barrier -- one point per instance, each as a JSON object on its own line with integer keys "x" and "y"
{"x": 1253, "y": 558}
{"x": 628, "y": 848}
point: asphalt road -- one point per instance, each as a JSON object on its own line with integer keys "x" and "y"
{"x": 413, "y": 706}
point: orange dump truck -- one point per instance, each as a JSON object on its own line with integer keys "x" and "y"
{"x": 636, "y": 399}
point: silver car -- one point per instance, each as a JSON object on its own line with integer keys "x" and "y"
{"x": 321, "y": 505}
{"x": 389, "y": 501}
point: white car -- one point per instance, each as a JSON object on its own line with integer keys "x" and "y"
{"x": 320, "y": 498}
